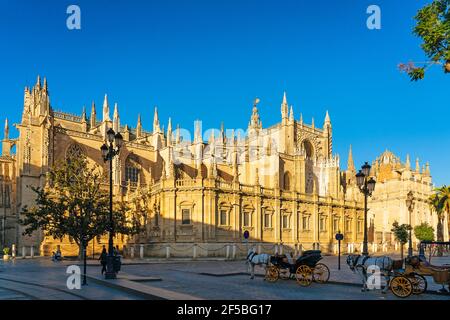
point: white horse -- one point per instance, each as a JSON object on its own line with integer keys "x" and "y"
{"x": 253, "y": 258}
{"x": 359, "y": 264}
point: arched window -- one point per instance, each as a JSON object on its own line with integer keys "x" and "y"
{"x": 132, "y": 169}
{"x": 308, "y": 148}
{"x": 287, "y": 181}
{"x": 74, "y": 152}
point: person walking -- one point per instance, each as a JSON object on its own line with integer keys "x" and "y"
{"x": 103, "y": 259}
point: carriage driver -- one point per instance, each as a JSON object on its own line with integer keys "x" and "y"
{"x": 288, "y": 258}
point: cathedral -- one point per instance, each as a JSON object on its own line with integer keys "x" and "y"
{"x": 282, "y": 183}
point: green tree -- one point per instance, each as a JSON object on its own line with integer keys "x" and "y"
{"x": 433, "y": 27}
{"x": 424, "y": 232}
{"x": 75, "y": 203}
{"x": 439, "y": 202}
{"x": 443, "y": 194}
{"x": 401, "y": 233}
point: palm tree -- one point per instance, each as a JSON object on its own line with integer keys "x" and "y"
{"x": 444, "y": 202}
{"x": 434, "y": 205}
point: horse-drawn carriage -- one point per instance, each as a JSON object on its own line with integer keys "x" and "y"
{"x": 305, "y": 270}
{"x": 411, "y": 279}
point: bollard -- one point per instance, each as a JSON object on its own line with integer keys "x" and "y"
{"x": 32, "y": 252}
{"x": 259, "y": 248}
{"x": 395, "y": 246}
{"x": 13, "y": 253}
{"x": 276, "y": 249}
{"x": 132, "y": 252}
{"x": 234, "y": 251}
{"x": 167, "y": 252}
{"x": 24, "y": 252}
{"x": 228, "y": 252}
{"x": 141, "y": 251}
{"x": 194, "y": 251}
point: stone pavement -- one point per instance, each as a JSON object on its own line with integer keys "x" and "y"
{"x": 179, "y": 279}
{"x": 228, "y": 280}
{"x": 41, "y": 279}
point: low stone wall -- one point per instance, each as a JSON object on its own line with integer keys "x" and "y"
{"x": 211, "y": 250}
{"x": 232, "y": 250}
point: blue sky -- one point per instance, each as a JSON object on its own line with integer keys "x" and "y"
{"x": 209, "y": 59}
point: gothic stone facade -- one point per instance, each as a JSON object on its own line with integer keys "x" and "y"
{"x": 282, "y": 184}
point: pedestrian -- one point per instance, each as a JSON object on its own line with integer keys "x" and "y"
{"x": 103, "y": 259}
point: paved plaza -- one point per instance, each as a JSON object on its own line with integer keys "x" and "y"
{"x": 40, "y": 278}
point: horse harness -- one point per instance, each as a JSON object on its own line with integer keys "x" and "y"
{"x": 251, "y": 255}
{"x": 355, "y": 262}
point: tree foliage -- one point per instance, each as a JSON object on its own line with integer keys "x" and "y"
{"x": 433, "y": 27}
{"x": 401, "y": 232}
{"x": 74, "y": 203}
{"x": 440, "y": 203}
{"x": 424, "y": 232}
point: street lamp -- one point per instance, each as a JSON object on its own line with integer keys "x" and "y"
{"x": 366, "y": 185}
{"x": 110, "y": 151}
{"x": 410, "y": 206}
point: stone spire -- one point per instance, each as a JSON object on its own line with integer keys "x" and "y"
{"x": 116, "y": 118}
{"x": 256, "y": 176}
{"x": 222, "y": 132}
{"x": 312, "y": 123}
{"x": 38, "y": 82}
{"x": 83, "y": 115}
{"x": 235, "y": 166}
{"x": 93, "y": 115}
{"x": 169, "y": 132}
{"x": 427, "y": 169}
{"x": 6, "y": 134}
{"x": 350, "y": 162}
{"x": 327, "y": 119}
{"x": 156, "y": 127}
{"x": 417, "y": 165}
{"x": 45, "y": 84}
{"x": 255, "y": 122}
{"x": 197, "y": 132}
{"x": 178, "y": 135}
{"x": 301, "y": 119}
{"x": 106, "y": 109}
{"x": 284, "y": 108}
{"x": 408, "y": 162}
{"x": 139, "y": 127}
{"x": 84, "y": 120}
{"x": 291, "y": 115}
{"x": 269, "y": 146}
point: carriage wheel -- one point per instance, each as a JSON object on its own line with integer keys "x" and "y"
{"x": 401, "y": 286}
{"x": 321, "y": 273}
{"x": 419, "y": 283}
{"x": 272, "y": 274}
{"x": 304, "y": 275}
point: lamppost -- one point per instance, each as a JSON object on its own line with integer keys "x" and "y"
{"x": 115, "y": 141}
{"x": 366, "y": 185}
{"x": 410, "y": 206}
